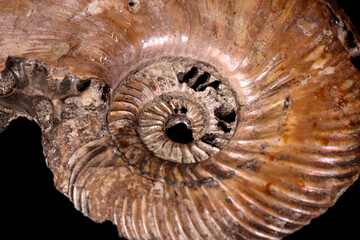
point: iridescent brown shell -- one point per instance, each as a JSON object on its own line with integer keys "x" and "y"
{"x": 264, "y": 93}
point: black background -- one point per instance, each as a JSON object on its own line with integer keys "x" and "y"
{"x": 33, "y": 208}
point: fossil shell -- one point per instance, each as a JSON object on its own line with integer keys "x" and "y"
{"x": 188, "y": 119}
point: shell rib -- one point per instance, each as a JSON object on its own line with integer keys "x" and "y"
{"x": 265, "y": 89}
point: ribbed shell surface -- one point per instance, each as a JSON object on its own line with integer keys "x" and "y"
{"x": 296, "y": 145}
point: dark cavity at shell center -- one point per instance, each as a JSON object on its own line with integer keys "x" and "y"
{"x": 178, "y": 109}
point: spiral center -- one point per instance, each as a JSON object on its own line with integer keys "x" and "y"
{"x": 178, "y": 129}
{"x": 173, "y": 109}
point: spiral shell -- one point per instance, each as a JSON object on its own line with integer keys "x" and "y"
{"x": 189, "y": 119}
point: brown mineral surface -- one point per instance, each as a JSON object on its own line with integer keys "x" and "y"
{"x": 188, "y": 119}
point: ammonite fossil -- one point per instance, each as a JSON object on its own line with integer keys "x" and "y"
{"x": 188, "y": 119}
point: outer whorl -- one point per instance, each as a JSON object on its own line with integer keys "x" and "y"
{"x": 188, "y": 119}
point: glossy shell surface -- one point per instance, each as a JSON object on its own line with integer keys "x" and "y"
{"x": 265, "y": 89}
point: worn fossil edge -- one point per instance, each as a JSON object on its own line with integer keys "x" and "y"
{"x": 40, "y": 97}
{"x": 346, "y": 30}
